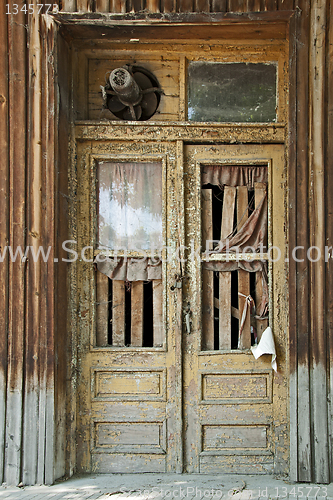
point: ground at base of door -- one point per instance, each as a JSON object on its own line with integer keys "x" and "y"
{"x": 170, "y": 487}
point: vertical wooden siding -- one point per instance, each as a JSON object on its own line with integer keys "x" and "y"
{"x": 17, "y": 237}
{"x": 4, "y": 226}
{"x": 310, "y": 414}
{"x": 28, "y": 130}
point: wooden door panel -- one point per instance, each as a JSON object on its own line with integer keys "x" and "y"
{"x": 235, "y": 407}
{"x": 128, "y": 402}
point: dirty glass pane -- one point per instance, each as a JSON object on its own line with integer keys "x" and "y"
{"x": 129, "y": 205}
{"x": 231, "y": 92}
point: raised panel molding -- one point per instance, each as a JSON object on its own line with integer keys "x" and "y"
{"x": 229, "y": 387}
{"x": 128, "y": 385}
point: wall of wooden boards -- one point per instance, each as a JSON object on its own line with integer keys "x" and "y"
{"x": 34, "y": 137}
{"x": 33, "y": 292}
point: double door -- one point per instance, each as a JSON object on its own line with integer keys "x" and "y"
{"x": 167, "y": 378}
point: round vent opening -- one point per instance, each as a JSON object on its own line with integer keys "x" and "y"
{"x": 132, "y": 93}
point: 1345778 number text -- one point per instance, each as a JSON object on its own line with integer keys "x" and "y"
{"x": 30, "y": 8}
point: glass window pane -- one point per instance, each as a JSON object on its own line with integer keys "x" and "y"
{"x": 129, "y": 205}
{"x": 231, "y": 92}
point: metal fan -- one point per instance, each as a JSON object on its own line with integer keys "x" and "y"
{"x": 132, "y": 93}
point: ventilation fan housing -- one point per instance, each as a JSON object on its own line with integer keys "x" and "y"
{"x": 132, "y": 93}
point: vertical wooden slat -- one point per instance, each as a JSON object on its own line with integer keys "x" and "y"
{"x": 285, "y": 4}
{"x": 243, "y": 276}
{"x": 102, "y": 309}
{"x": 255, "y": 5}
{"x": 118, "y": 313}
{"x": 153, "y": 5}
{"x": 17, "y": 230}
{"x": 329, "y": 220}
{"x": 102, "y": 5}
{"x": 83, "y": 5}
{"x": 137, "y": 314}
{"x": 182, "y": 87}
{"x": 259, "y": 192}
{"x": 219, "y": 5}
{"x": 317, "y": 239}
{"x": 207, "y": 276}
{"x": 236, "y": 6}
{"x": 68, "y": 5}
{"x": 302, "y": 271}
{"x": 185, "y": 5}
{"x": 169, "y": 5}
{"x": 292, "y": 184}
{"x": 158, "y": 327}
{"x": 118, "y": 6}
{"x": 137, "y": 5}
{"x": 49, "y": 117}
{"x": 201, "y": 5}
{"x": 4, "y": 228}
{"x": 65, "y": 408}
{"x": 225, "y": 277}
{"x": 33, "y": 427}
{"x": 270, "y": 5}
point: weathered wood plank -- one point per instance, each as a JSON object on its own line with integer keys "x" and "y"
{"x": 243, "y": 276}
{"x": 270, "y": 5}
{"x": 137, "y": 313}
{"x": 153, "y": 5}
{"x": 219, "y": 5}
{"x": 227, "y": 224}
{"x": 107, "y": 463}
{"x": 177, "y": 393}
{"x": 50, "y": 134}
{"x": 68, "y": 6}
{"x": 201, "y": 6}
{"x": 118, "y": 6}
{"x": 302, "y": 271}
{"x": 207, "y": 276}
{"x": 102, "y": 309}
{"x": 158, "y": 326}
{"x": 64, "y": 408}
{"x": 285, "y": 4}
{"x": 225, "y": 310}
{"x": 329, "y": 213}
{"x": 33, "y": 427}
{"x": 261, "y": 325}
{"x": 17, "y": 224}
{"x": 137, "y": 5}
{"x": 252, "y": 5}
{"x": 102, "y": 5}
{"x": 317, "y": 239}
{"x": 4, "y": 227}
{"x": 83, "y": 5}
{"x": 118, "y": 313}
{"x": 292, "y": 183}
{"x": 168, "y": 5}
{"x": 185, "y": 5}
{"x": 236, "y": 6}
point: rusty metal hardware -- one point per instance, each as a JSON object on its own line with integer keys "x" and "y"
{"x": 178, "y": 283}
{"x": 131, "y": 93}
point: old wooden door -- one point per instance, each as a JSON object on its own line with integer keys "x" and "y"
{"x": 129, "y": 333}
{"x": 235, "y": 414}
{"x": 163, "y": 388}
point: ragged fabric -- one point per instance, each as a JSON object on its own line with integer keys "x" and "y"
{"x": 129, "y": 269}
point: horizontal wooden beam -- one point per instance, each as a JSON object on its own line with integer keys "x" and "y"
{"x": 172, "y": 131}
